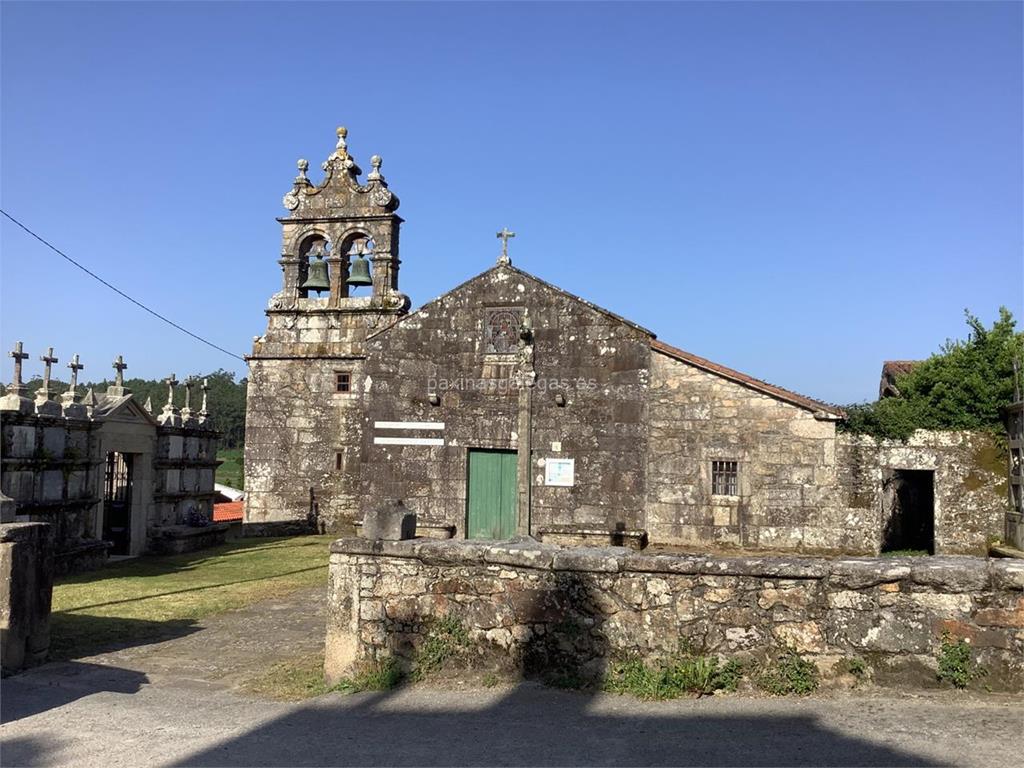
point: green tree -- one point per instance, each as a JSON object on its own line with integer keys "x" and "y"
{"x": 963, "y": 386}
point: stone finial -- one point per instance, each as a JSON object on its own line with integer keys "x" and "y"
{"x": 149, "y": 404}
{"x": 374, "y": 175}
{"x": 302, "y": 180}
{"x": 90, "y": 400}
{"x": 505, "y": 235}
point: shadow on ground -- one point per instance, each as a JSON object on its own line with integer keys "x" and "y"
{"x": 55, "y": 685}
{"x": 73, "y": 635}
{"x": 536, "y": 726}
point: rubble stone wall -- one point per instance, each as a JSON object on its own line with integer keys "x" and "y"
{"x": 970, "y": 484}
{"x": 786, "y": 459}
{"x": 528, "y": 605}
{"x": 595, "y": 361}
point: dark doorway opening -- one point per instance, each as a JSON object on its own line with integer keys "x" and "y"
{"x": 117, "y": 503}
{"x": 909, "y": 498}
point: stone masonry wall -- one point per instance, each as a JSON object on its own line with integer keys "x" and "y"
{"x": 532, "y": 606}
{"x": 787, "y": 467}
{"x": 596, "y": 361}
{"x": 26, "y": 588}
{"x": 969, "y": 481}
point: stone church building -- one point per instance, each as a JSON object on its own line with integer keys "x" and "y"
{"x": 510, "y": 406}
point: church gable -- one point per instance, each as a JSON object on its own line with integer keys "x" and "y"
{"x": 476, "y": 326}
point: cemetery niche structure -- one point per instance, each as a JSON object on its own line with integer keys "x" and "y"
{"x": 109, "y": 476}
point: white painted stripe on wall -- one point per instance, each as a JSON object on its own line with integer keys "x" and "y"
{"x": 438, "y": 425}
{"x": 408, "y": 441}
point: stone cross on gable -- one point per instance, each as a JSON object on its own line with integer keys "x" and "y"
{"x": 505, "y": 235}
{"x": 119, "y": 365}
{"x": 17, "y": 385}
{"x": 48, "y": 360}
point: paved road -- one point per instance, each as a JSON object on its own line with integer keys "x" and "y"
{"x": 176, "y": 703}
{"x": 92, "y": 715}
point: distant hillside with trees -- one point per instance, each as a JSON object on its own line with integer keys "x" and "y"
{"x": 225, "y": 399}
{"x": 965, "y": 385}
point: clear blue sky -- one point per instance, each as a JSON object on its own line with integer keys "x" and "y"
{"x": 795, "y": 190}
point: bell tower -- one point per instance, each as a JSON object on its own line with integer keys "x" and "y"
{"x": 339, "y": 264}
{"x": 353, "y": 226}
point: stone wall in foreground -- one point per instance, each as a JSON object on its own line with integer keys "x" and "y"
{"x": 534, "y": 607}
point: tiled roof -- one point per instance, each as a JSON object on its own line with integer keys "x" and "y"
{"x": 898, "y": 367}
{"x": 749, "y": 381}
{"x": 229, "y": 512}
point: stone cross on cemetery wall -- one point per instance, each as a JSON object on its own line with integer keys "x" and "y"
{"x": 119, "y": 365}
{"x": 71, "y": 396}
{"x": 17, "y": 386}
{"x": 118, "y": 389}
{"x": 186, "y": 412}
{"x": 203, "y": 413}
{"x": 43, "y": 393}
{"x": 169, "y": 415}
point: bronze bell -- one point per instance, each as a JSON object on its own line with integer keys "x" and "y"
{"x": 318, "y": 280}
{"x": 360, "y": 272}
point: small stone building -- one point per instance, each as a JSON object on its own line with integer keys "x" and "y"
{"x": 108, "y": 475}
{"x": 510, "y": 406}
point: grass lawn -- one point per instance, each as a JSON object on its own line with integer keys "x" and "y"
{"x": 231, "y": 472}
{"x": 144, "y": 600}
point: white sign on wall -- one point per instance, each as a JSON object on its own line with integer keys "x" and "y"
{"x": 560, "y": 472}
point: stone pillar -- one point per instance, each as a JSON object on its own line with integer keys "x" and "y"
{"x": 26, "y": 590}
{"x": 341, "y": 650}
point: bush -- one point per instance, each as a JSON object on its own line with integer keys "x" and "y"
{"x": 681, "y": 674}
{"x": 381, "y": 675}
{"x": 790, "y": 673}
{"x": 956, "y": 662}
{"x": 851, "y": 665}
{"x": 446, "y": 637}
{"x": 963, "y": 386}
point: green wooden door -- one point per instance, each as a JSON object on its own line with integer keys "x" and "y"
{"x": 492, "y": 495}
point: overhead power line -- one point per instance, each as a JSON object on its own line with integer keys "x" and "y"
{"x": 118, "y": 291}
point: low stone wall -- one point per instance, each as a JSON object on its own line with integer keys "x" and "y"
{"x": 534, "y": 607}
{"x": 179, "y": 539}
{"x": 26, "y": 589}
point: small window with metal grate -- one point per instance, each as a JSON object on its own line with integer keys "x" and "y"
{"x": 725, "y": 478}
{"x": 342, "y": 381}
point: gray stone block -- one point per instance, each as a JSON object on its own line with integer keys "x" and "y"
{"x": 393, "y": 522}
